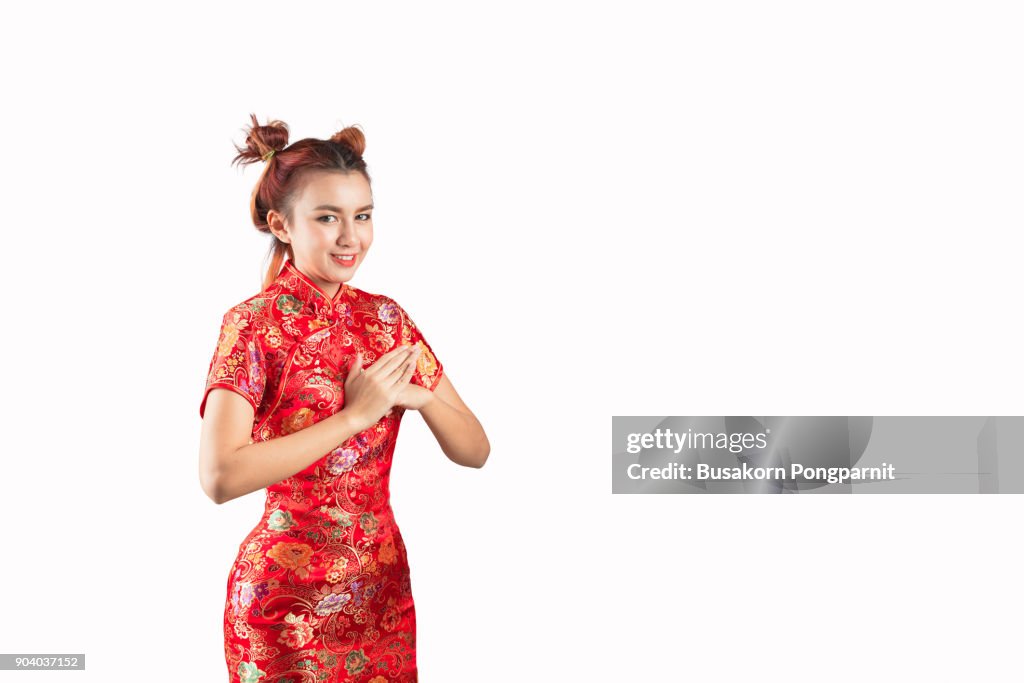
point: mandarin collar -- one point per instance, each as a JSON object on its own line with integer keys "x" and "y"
{"x": 296, "y": 283}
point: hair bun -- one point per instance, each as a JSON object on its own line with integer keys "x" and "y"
{"x": 351, "y": 137}
{"x": 261, "y": 142}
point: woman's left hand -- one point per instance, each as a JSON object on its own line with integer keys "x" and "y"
{"x": 414, "y": 397}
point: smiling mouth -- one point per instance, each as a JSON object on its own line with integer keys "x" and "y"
{"x": 345, "y": 260}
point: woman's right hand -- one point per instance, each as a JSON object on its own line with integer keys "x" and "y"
{"x": 371, "y": 392}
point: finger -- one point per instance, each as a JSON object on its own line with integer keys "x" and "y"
{"x": 410, "y": 370}
{"x": 396, "y": 351}
{"x": 390, "y": 360}
{"x": 355, "y": 367}
{"x": 399, "y": 373}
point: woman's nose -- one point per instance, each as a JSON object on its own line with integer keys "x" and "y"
{"x": 346, "y": 232}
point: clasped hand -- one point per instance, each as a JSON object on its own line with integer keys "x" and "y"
{"x": 371, "y": 392}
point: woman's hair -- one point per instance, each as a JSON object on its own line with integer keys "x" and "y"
{"x": 281, "y": 181}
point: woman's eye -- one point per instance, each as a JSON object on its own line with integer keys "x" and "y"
{"x": 362, "y": 216}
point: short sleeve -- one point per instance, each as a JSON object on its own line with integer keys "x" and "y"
{"x": 238, "y": 363}
{"x": 428, "y": 368}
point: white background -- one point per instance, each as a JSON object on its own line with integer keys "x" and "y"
{"x": 590, "y": 209}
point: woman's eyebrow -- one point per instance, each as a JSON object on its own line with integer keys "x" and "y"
{"x": 332, "y": 207}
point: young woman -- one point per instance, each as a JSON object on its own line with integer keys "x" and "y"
{"x": 304, "y": 396}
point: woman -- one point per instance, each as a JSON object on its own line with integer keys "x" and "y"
{"x": 304, "y": 397}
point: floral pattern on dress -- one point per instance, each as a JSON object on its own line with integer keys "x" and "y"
{"x": 320, "y": 589}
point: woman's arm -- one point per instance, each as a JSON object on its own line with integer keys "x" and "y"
{"x": 456, "y": 428}
{"x": 231, "y": 465}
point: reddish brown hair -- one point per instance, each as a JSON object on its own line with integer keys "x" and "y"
{"x": 281, "y": 181}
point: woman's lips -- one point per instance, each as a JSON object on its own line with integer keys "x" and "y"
{"x": 344, "y": 262}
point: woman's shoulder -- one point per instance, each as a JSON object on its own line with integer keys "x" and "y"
{"x": 257, "y": 303}
{"x": 266, "y": 299}
{"x": 366, "y": 299}
{"x": 255, "y": 307}
{"x": 362, "y": 294}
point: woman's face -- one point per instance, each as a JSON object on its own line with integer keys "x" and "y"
{"x": 332, "y": 217}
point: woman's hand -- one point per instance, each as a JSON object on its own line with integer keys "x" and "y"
{"x": 414, "y": 397}
{"x": 370, "y": 393}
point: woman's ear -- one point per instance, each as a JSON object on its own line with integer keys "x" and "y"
{"x": 277, "y": 226}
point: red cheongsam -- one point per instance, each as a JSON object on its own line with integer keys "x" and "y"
{"x": 319, "y": 590}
